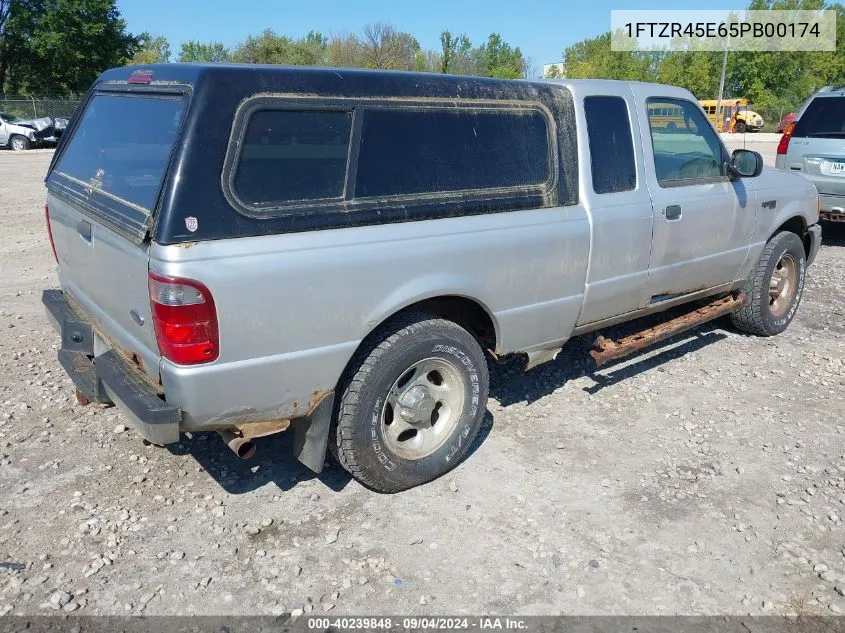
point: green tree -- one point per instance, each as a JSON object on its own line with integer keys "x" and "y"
{"x": 203, "y": 52}
{"x": 153, "y": 50}
{"x": 455, "y": 53}
{"x": 61, "y": 46}
{"x": 593, "y": 58}
{"x": 697, "y": 71}
{"x": 17, "y": 24}
{"x": 265, "y": 48}
{"x": 309, "y": 50}
{"x": 497, "y": 58}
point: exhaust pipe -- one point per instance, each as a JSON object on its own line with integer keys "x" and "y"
{"x": 241, "y": 446}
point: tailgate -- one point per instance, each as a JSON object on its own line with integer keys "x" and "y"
{"x": 103, "y": 191}
{"x": 822, "y": 159}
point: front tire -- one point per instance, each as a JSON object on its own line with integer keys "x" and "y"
{"x": 740, "y": 127}
{"x": 411, "y": 403}
{"x": 775, "y": 289}
{"x": 19, "y": 143}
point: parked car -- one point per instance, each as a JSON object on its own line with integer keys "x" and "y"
{"x": 21, "y": 134}
{"x": 815, "y": 148}
{"x": 785, "y": 120}
{"x": 15, "y": 136}
{"x": 341, "y": 250}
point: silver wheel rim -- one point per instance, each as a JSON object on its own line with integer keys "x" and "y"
{"x": 17, "y": 144}
{"x": 423, "y": 408}
{"x": 783, "y": 285}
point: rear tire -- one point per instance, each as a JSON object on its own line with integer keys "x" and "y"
{"x": 410, "y": 404}
{"x": 18, "y": 143}
{"x": 775, "y": 289}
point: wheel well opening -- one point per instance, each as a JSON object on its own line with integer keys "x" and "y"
{"x": 798, "y": 226}
{"x": 465, "y": 312}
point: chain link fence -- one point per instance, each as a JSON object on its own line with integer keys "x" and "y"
{"x": 30, "y": 107}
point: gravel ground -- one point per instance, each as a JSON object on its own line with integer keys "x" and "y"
{"x": 705, "y": 477}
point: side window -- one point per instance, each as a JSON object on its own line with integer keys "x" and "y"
{"x": 419, "y": 151}
{"x": 291, "y": 156}
{"x": 687, "y": 150}
{"x": 611, "y": 146}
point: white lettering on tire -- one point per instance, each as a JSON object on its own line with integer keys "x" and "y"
{"x": 381, "y": 456}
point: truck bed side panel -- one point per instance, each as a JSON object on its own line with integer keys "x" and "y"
{"x": 293, "y": 308}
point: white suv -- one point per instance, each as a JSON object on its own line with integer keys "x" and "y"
{"x": 815, "y": 147}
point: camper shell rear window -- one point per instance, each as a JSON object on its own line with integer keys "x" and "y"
{"x": 115, "y": 162}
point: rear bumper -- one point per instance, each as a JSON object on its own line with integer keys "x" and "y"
{"x": 109, "y": 378}
{"x": 832, "y": 208}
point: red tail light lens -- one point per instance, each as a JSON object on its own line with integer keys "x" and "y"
{"x": 783, "y": 145}
{"x": 50, "y": 232}
{"x": 185, "y": 320}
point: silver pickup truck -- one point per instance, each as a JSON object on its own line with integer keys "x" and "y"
{"x": 340, "y": 251}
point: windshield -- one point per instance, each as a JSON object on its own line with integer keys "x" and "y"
{"x": 824, "y": 117}
{"x": 9, "y": 118}
{"x": 122, "y": 146}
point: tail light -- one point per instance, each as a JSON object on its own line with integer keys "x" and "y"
{"x": 784, "y": 140}
{"x": 50, "y": 232}
{"x": 185, "y": 320}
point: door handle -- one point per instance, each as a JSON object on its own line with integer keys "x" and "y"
{"x": 672, "y": 212}
{"x": 83, "y": 227}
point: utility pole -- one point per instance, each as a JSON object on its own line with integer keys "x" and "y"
{"x": 721, "y": 91}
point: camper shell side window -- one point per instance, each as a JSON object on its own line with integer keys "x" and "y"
{"x": 296, "y": 156}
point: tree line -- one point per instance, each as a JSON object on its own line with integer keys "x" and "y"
{"x": 775, "y": 82}
{"x": 59, "y": 47}
{"x": 378, "y": 45}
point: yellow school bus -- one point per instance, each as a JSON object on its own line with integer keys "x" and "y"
{"x": 744, "y": 118}
{"x": 665, "y": 115}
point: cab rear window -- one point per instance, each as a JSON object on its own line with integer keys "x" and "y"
{"x": 115, "y": 162}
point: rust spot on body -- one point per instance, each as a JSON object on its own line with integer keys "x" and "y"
{"x": 317, "y": 396}
{"x": 610, "y": 350}
{"x": 262, "y": 429}
{"x": 137, "y": 360}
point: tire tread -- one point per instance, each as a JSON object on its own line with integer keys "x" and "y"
{"x": 750, "y": 318}
{"x": 363, "y": 363}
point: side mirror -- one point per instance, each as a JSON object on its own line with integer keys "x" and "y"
{"x": 746, "y": 163}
